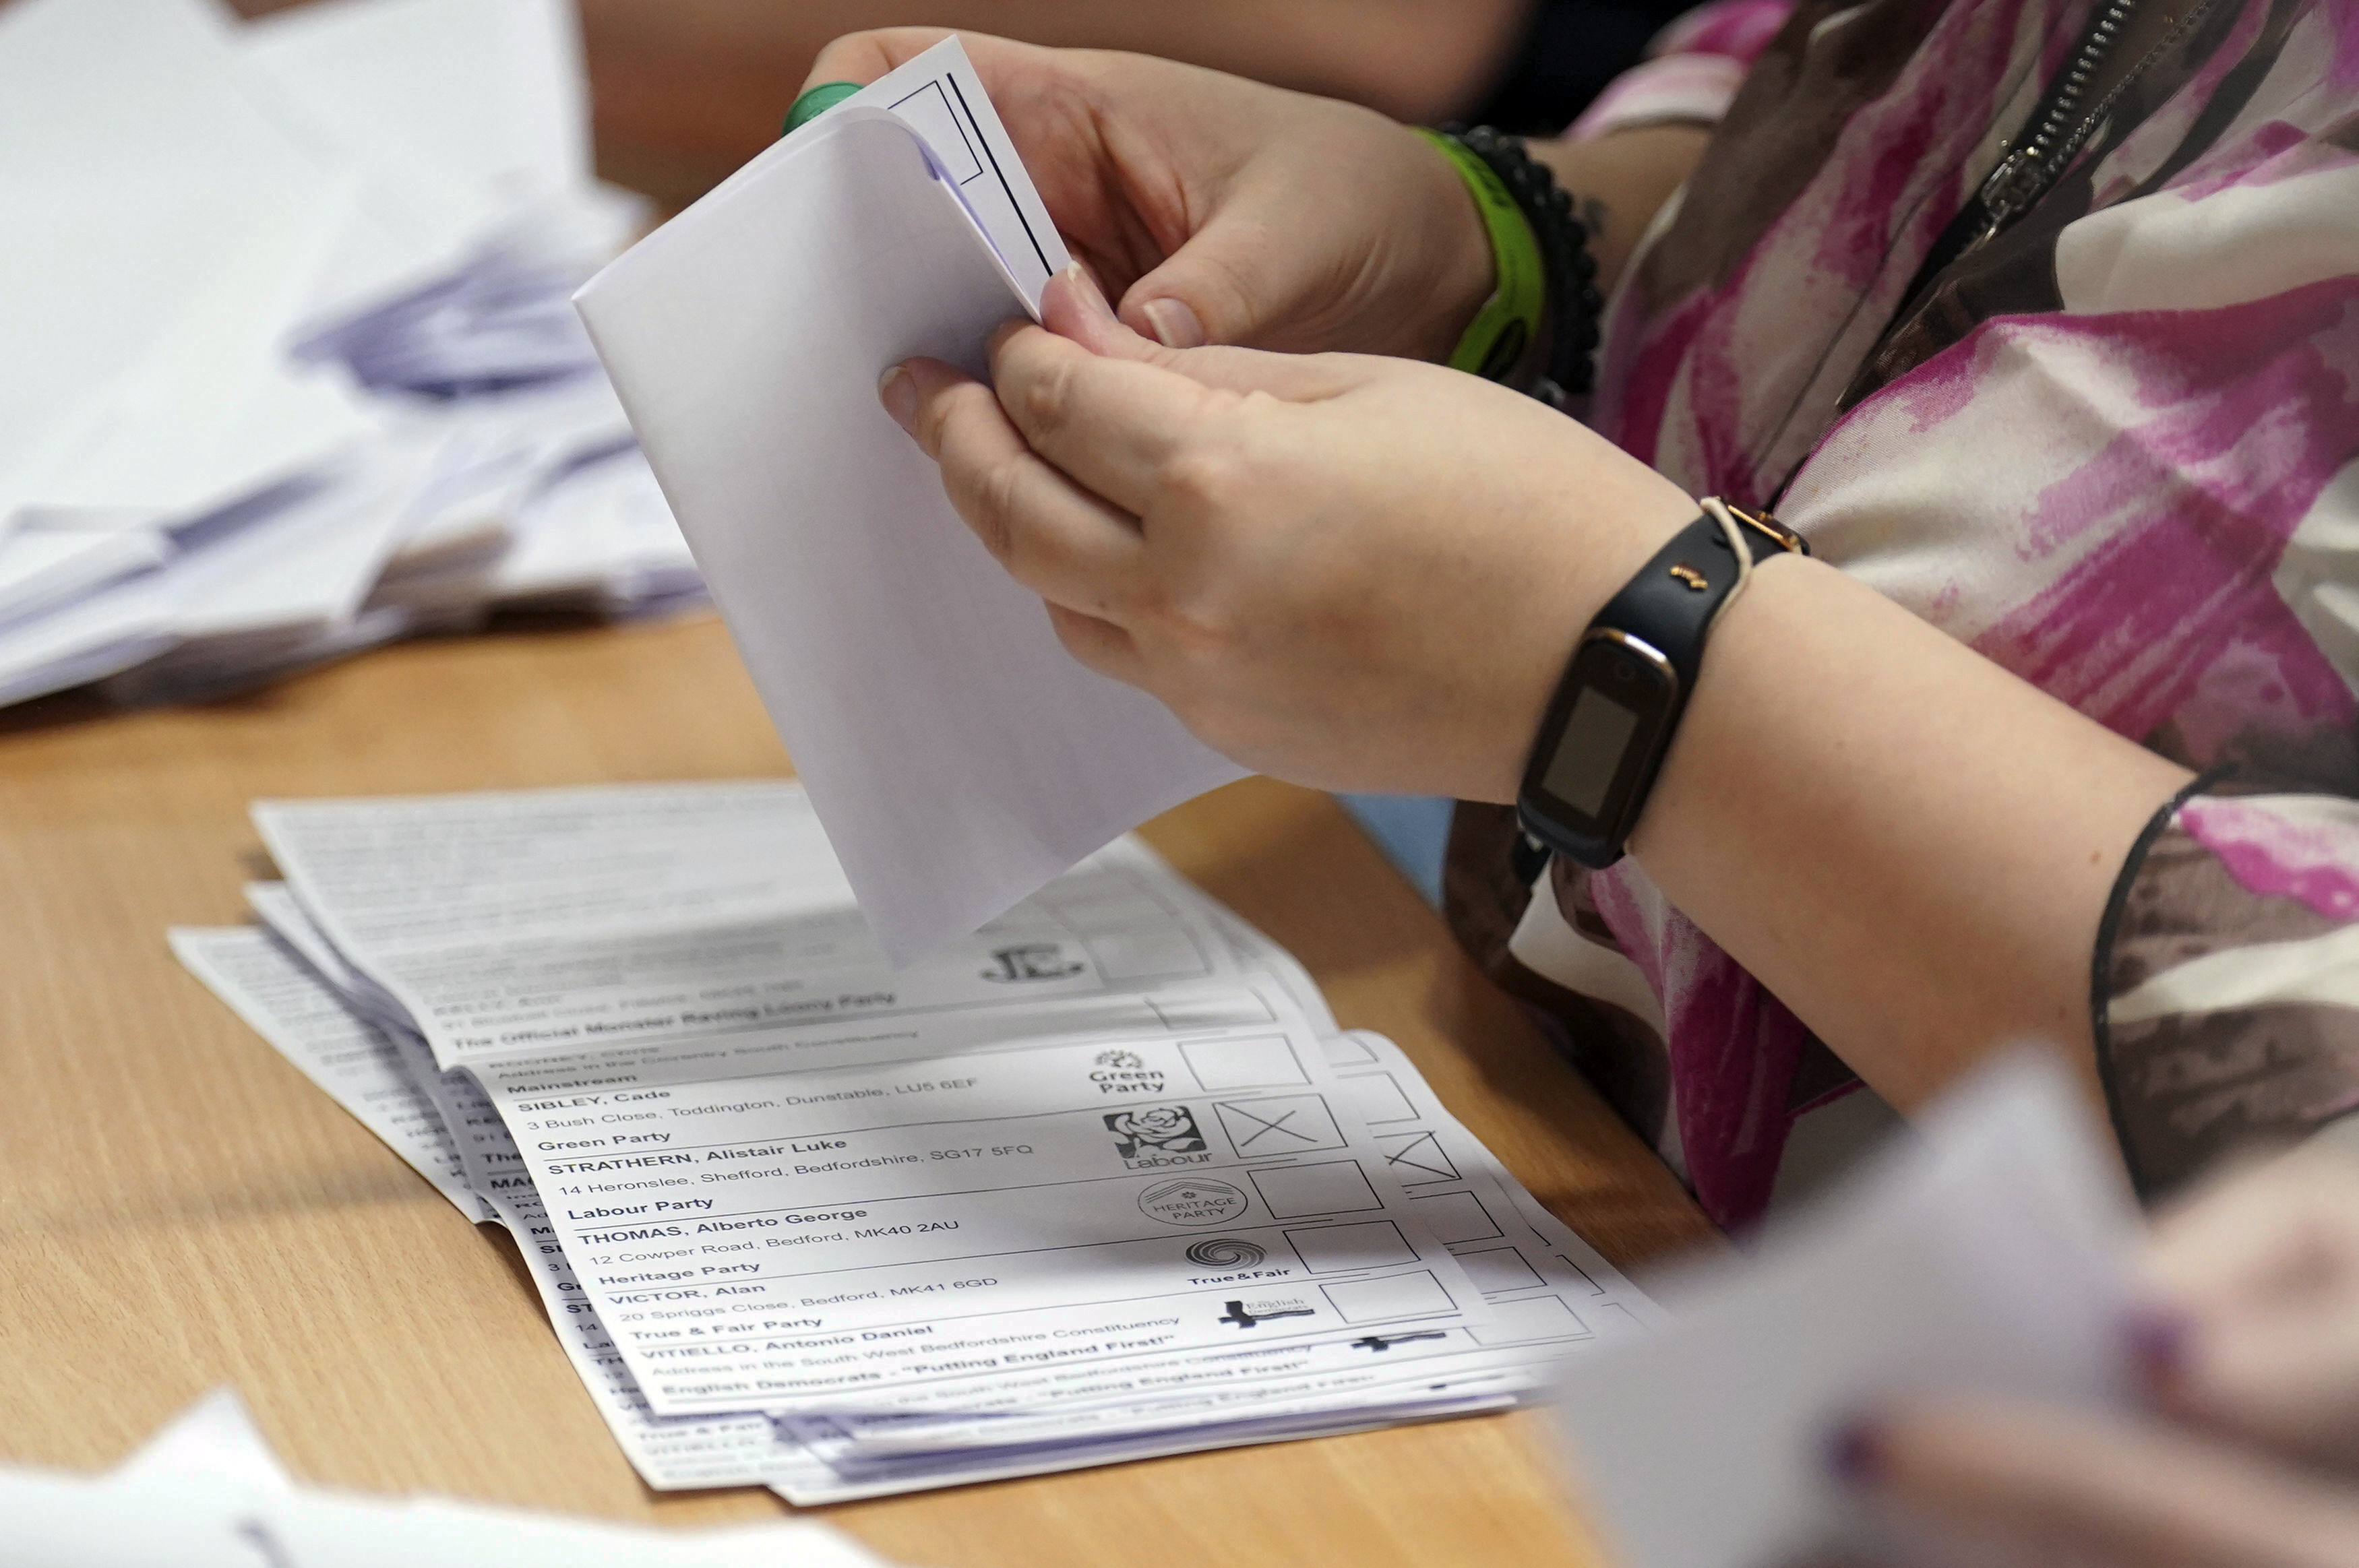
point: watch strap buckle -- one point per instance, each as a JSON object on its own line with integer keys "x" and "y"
{"x": 1769, "y": 528}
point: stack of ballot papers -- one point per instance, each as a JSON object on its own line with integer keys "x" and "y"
{"x": 286, "y": 362}
{"x": 206, "y": 1492}
{"x": 1103, "y": 1181}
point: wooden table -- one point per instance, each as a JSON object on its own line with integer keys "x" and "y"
{"x": 180, "y": 1208}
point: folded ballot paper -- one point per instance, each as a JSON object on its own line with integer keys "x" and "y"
{"x": 286, "y": 365}
{"x": 959, "y": 756}
{"x": 1101, "y": 1181}
{"x": 206, "y": 1492}
{"x": 1987, "y": 1255}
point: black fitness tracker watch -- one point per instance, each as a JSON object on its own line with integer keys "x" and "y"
{"x": 1611, "y": 719}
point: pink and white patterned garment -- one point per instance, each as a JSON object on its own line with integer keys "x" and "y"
{"x": 2116, "y": 450}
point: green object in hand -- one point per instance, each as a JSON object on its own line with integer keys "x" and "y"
{"x": 817, "y": 102}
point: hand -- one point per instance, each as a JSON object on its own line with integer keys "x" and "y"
{"x": 1349, "y": 572}
{"x": 2258, "y": 1278}
{"x": 2052, "y": 1489}
{"x": 2253, "y": 1344}
{"x": 1221, "y": 211}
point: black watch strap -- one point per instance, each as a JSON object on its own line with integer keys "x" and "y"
{"x": 1658, "y": 620}
{"x": 1670, "y": 602}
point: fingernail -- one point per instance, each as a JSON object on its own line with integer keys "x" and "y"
{"x": 1855, "y": 1455}
{"x": 2157, "y": 1339}
{"x": 1174, "y": 325}
{"x": 898, "y": 393}
{"x": 1085, "y": 284}
{"x": 815, "y": 102}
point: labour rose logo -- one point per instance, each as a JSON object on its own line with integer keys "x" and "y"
{"x": 1166, "y": 1128}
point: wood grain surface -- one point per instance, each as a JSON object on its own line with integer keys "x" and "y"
{"x": 180, "y": 1208}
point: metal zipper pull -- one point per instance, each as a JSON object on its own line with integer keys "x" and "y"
{"x": 2023, "y": 176}
{"x": 2019, "y": 180}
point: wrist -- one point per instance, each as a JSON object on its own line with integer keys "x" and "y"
{"x": 1752, "y": 640}
{"x": 1461, "y": 267}
{"x": 1582, "y": 566}
{"x": 1619, "y": 706}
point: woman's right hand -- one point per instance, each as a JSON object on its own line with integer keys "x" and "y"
{"x": 1219, "y": 210}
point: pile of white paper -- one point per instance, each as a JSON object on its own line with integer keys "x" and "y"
{"x": 206, "y": 1492}
{"x": 286, "y": 365}
{"x": 1101, "y": 1182}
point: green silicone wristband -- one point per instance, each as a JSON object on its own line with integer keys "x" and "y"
{"x": 817, "y": 102}
{"x": 1510, "y": 319}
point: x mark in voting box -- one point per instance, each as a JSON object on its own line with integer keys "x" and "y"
{"x": 1416, "y": 1157}
{"x": 1287, "y": 1124}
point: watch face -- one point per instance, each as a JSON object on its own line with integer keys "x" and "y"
{"x": 1599, "y": 744}
{"x": 1596, "y": 733}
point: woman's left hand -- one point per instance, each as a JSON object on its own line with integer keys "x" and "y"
{"x": 1349, "y": 572}
{"x": 2041, "y": 1487}
{"x": 2252, "y": 1343}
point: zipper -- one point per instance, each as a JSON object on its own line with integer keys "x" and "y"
{"x": 2045, "y": 147}
{"x": 2037, "y": 157}
{"x": 2034, "y": 158}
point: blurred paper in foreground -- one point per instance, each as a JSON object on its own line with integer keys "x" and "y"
{"x": 206, "y": 1492}
{"x": 1987, "y": 1255}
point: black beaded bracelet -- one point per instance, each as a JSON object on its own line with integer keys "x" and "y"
{"x": 1574, "y": 306}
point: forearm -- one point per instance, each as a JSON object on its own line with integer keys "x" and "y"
{"x": 1619, "y": 182}
{"x": 1909, "y": 846}
{"x": 1365, "y": 573}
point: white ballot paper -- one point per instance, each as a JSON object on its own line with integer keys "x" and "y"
{"x": 357, "y": 1063}
{"x": 1100, "y": 1182}
{"x": 1987, "y": 1255}
{"x": 960, "y": 757}
{"x": 1548, "y": 1292}
{"x": 789, "y": 1177}
{"x": 271, "y": 984}
{"x": 287, "y": 371}
{"x": 632, "y": 919}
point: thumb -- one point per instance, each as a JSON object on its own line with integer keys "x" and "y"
{"x": 1242, "y": 278}
{"x": 1073, "y": 307}
{"x": 1213, "y": 289}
